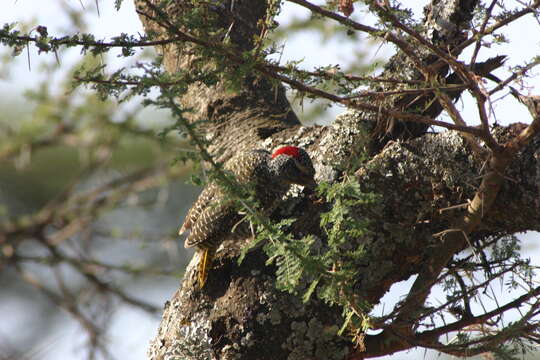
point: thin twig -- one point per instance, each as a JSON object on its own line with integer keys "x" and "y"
{"x": 301, "y": 86}
{"x": 481, "y": 31}
{"x": 514, "y": 76}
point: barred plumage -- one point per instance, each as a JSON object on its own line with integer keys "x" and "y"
{"x": 212, "y": 217}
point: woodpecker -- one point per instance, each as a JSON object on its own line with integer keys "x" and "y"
{"x": 213, "y": 218}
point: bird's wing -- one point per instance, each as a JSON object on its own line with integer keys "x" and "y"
{"x": 206, "y": 196}
{"x": 215, "y": 219}
{"x": 244, "y": 164}
{"x": 212, "y": 213}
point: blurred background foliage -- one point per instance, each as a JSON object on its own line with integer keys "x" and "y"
{"x": 89, "y": 202}
{"x": 90, "y": 197}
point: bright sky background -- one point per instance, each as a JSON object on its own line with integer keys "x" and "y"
{"x": 525, "y": 43}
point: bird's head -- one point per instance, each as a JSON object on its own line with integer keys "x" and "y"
{"x": 294, "y": 166}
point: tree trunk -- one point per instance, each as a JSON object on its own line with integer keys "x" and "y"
{"x": 239, "y": 314}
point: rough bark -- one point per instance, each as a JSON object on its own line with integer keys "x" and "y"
{"x": 240, "y": 314}
{"x": 232, "y": 119}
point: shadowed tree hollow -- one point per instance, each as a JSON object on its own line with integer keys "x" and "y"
{"x": 411, "y": 186}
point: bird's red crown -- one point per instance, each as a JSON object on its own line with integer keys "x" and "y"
{"x": 287, "y": 150}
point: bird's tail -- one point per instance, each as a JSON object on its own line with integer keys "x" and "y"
{"x": 205, "y": 262}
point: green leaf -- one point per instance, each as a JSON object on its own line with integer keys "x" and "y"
{"x": 310, "y": 290}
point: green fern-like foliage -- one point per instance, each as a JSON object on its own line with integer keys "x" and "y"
{"x": 324, "y": 267}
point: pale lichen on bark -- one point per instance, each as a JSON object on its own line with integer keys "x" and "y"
{"x": 194, "y": 322}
